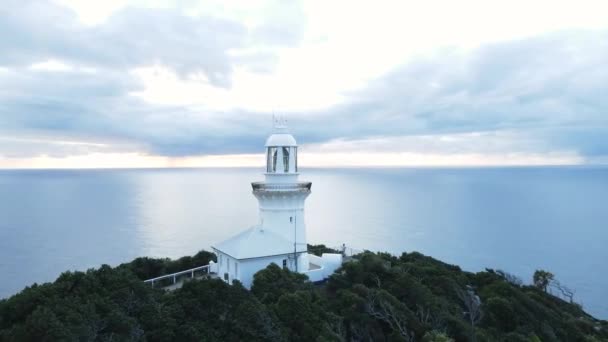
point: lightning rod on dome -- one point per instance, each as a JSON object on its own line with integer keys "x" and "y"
{"x": 279, "y": 122}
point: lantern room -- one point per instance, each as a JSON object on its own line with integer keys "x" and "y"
{"x": 281, "y": 151}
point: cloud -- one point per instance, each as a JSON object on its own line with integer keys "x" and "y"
{"x": 548, "y": 89}
{"x": 63, "y": 78}
{"x": 101, "y": 87}
{"x": 37, "y": 31}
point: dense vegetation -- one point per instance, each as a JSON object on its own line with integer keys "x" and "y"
{"x": 376, "y": 297}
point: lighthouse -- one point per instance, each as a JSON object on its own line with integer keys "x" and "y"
{"x": 280, "y": 234}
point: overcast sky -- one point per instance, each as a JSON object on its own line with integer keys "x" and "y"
{"x": 119, "y": 83}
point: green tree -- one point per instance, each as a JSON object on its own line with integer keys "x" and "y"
{"x": 500, "y": 313}
{"x": 272, "y": 282}
{"x": 301, "y": 316}
{"x": 435, "y": 336}
{"x": 375, "y": 297}
{"x": 542, "y": 279}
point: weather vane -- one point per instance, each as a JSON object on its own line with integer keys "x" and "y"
{"x": 279, "y": 121}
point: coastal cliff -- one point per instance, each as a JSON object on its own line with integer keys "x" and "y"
{"x": 374, "y": 297}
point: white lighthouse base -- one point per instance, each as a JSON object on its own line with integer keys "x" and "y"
{"x": 243, "y": 255}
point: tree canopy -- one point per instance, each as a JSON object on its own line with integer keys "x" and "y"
{"x": 377, "y": 296}
{"x": 542, "y": 279}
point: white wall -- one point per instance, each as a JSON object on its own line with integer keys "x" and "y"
{"x": 243, "y": 270}
{"x": 283, "y": 213}
{"x": 227, "y": 264}
{"x": 329, "y": 264}
{"x": 249, "y": 267}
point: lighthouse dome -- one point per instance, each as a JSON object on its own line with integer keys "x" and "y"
{"x": 281, "y": 139}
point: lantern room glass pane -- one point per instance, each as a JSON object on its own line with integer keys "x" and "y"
{"x": 274, "y": 159}
{"x": 295, "y": 157}
{"x": 285, "y": 159}
{"x": 271, "y": 159}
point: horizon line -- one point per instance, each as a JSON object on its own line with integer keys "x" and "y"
{"x": 506, "y": 166}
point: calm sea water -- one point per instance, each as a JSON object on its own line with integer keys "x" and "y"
{"x": 515, "y": 219}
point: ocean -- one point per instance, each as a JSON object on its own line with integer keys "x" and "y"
{"x": 514, "y": 219}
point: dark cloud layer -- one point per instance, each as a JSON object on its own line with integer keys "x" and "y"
{"x": 551, "y": 89}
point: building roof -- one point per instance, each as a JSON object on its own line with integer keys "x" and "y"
{"x": 281, "y": 139}
{"x": 256, "y": 242}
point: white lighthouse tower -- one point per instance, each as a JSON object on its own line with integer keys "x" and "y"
{"x": 280, "y": 235}
{"x": 281, "y": 196}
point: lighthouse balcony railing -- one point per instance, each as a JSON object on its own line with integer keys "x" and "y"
{"x": 174, "y": 278}
{"x": 263, "y": 186}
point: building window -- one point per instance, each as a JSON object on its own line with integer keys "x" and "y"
{"x": 226, "y": 276}
{"x": 290, "y": 219}
{"x": 284, "y": 263}
{"x": 285, "y": 159}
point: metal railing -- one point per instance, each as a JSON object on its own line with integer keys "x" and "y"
{"x": 347, "y": 251}
{"x": 263, "y": 186}
{"x": 174, "y": 276}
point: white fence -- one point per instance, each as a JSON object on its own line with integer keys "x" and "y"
{"x": 190, "y": 274}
